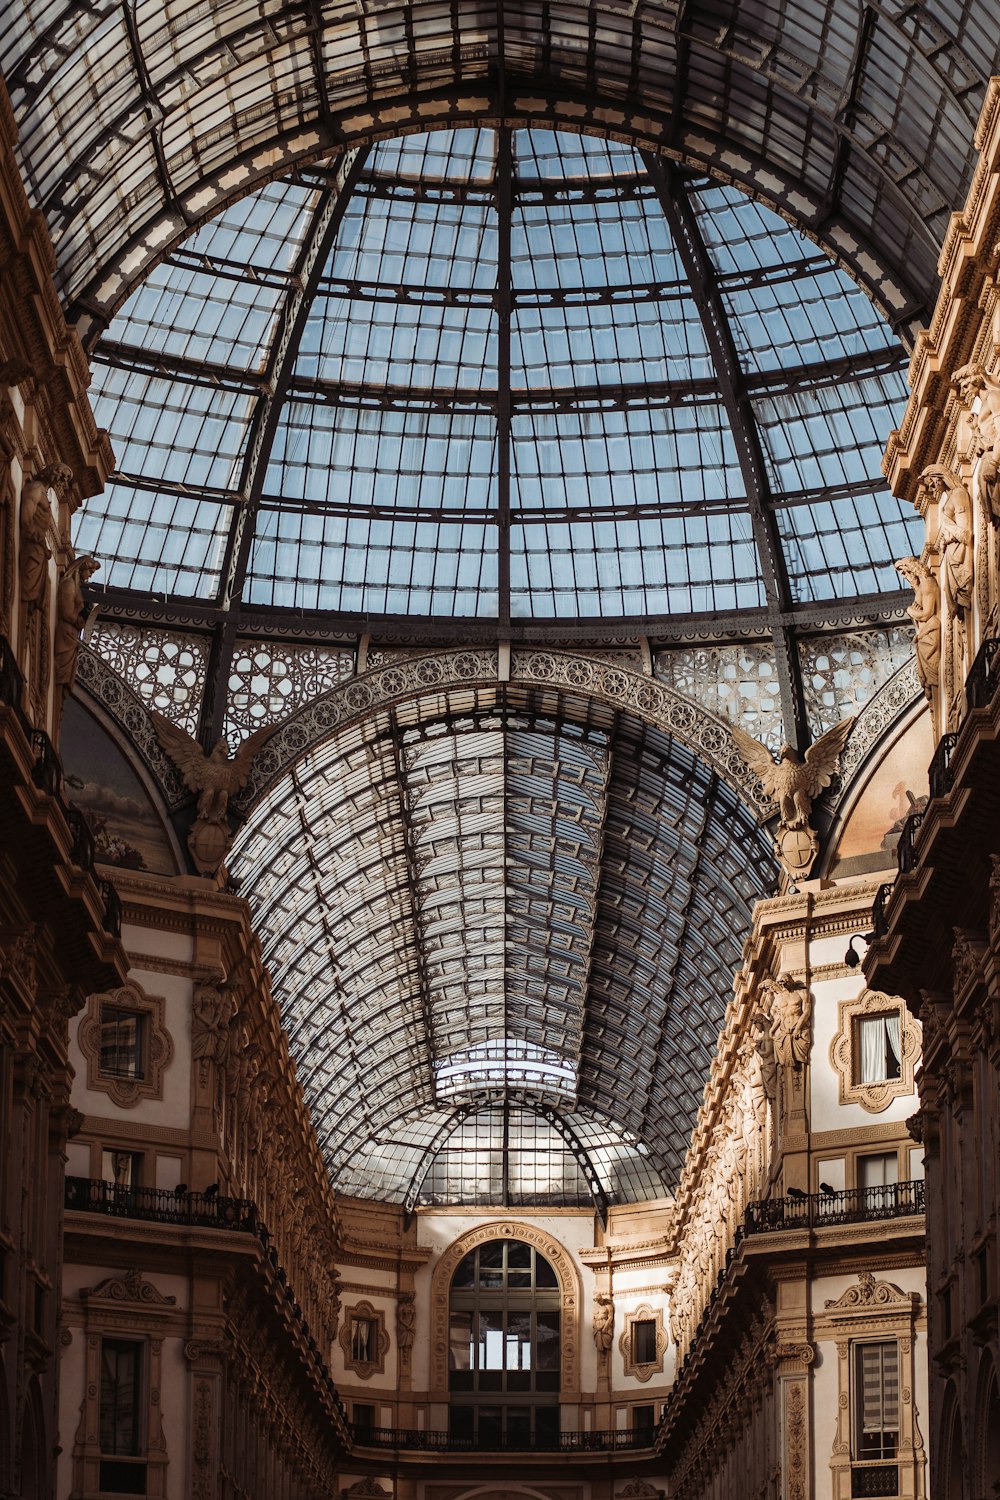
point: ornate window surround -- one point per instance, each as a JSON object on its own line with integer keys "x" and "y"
{"x": 874, "y": 1097}
{"x": 158, "y": 1046}
{"x": 124, "y": 1306}
{"x": 364, "y": 1369}
{"x": 878, "y": 1310}
{"x": 570, "y": 1300}
{"x": 626, "y": 1343}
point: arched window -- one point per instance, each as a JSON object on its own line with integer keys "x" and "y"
{"x": 503, "y": 1364}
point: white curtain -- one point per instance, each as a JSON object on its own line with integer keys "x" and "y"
{"x": 872, "y": 1037}
{"x": 892, "y": 1038}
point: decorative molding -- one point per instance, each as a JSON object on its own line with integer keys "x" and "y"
{"x": 567, "y": 1275}
{"x": 608, "y": 682}
{"x": 870, "y": 1293}
{"x": 129, "y": 1287}
{"x": 874, "y": 1097}
{"x": 364, "y": 1311}
{"x": 158, "y": 1046}
{"x": 796, "y": 1440}
{"x": 626, "y": 1343}
{"x": 366, "y": 1489}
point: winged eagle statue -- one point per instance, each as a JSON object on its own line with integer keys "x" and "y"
{"x": 215, "y": 776}
{"x": 793, "y": 783}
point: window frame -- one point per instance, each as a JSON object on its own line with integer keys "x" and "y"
{"x": 156, "y": 1041}
{"x": 874, "y": 1096}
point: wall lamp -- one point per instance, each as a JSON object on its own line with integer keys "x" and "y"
{"x": 852, "y": 957}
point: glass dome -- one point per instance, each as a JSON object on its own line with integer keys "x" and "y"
{"x": 499, "y": 377}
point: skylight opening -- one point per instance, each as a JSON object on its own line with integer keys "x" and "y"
{"x": 504, "y": 1063}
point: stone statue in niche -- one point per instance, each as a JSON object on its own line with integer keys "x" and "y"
{"x": 36, "y": 525}
{"x": 789, "y": 1020}
{"x": 212, "y": 1011}
{"x": 925, "y": 612}
{"x": 955, "y": 536}
{"x": 215, "y": 777}
{"x": 604, "y": 1323}
{"x": 793, "y": 784}
{"x": 406, "y": 1322}
{"x": 70, "y": 618}
{"x": 972, "y": 382}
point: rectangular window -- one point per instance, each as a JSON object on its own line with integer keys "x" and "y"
{"x": 643, "y": 1422}
{"x": 363, "y": 1341}
{"x": 122, "y": 1036}
{"x": 363, "y": 1416}
{"x": 121, "y": 1167}
{"x": 877, "y": 1048}
{"x": 121, "y": 1380}
{"x": 876, "y": 1400}
{"x": 879, "y": 1170}
{"x": 644, "y": 1342}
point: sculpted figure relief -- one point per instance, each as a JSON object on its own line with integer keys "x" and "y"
{"x": 972, "y": 383}
{"x": 793, "y": 784}
{"x": 70, "y": 618}
{"x": 789, "y": 1020}
{"x": 216, "y": 777}
{"x": 36, "y": 524}
{"x": 604, "y": 1322}
{"x": 925, "y": 614}
{"x": 213, "y": 1009}
{"x": 406, "y": 1322}
{"x": 955, "y": 535}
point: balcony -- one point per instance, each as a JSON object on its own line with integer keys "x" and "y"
{"x": 161, "y": 1206}
{"x": 403, "y": 1439}
{"x": 897, "y": 1200}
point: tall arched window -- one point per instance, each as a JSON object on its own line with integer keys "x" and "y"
{"x": 503, "y": 1366}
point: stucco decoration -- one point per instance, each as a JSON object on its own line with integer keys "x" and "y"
{"x": 129, "y": 1287}
{"x": 873, "y": 1097}
{"x": 570, "y": 1300}
{"x": 366, "y": 1489}
{"x": 378, "y": 1343}
{"x": 638, "y": 1489}
{"x": 157, "y": 1045}
{"x": 626, "y": 1343}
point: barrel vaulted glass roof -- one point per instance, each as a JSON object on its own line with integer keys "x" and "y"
{"x": 512, "y": 920}
{"x": 499, "y": 376}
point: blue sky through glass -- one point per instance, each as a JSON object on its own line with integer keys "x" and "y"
{"x": 376, "y": 490}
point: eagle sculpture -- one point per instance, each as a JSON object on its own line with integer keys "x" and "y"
{"x": 216, "y": 776}
{"x": 795, "y": 781}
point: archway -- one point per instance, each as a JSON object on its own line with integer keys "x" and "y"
{"x": 569, "y": 1300}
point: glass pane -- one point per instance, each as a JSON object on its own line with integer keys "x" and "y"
{"x": 544, "y": 1274}
{"x": 490, "y": 1351}
{"x": 547, "y": 1426}
{"x": 460, "y": 1341}
{"x": 519, "y": 1341}
{"x": 466, "y": 1273}
{"x": 547, "y": 1340}
{"x": 519, "y": 1426}
{"x": 518, "y": 1255}
{"x": 490, "y": 1426}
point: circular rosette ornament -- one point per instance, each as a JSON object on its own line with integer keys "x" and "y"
{"x": 796, "y": 849}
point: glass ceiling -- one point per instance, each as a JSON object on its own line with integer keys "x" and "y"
{"x": 499, "y": 376}
{"x": 523, "y": 916}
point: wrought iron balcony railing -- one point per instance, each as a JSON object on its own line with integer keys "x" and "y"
{"x": 880, "y": 922}
{"x": 896, "y": 1200}
{"x": 161, "y": 1206}
{"x": 411, "y": 1440}
{"x": 906, "y": 850}
{"x": 941, "y": 773}
{"x": 984, "y": 674}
